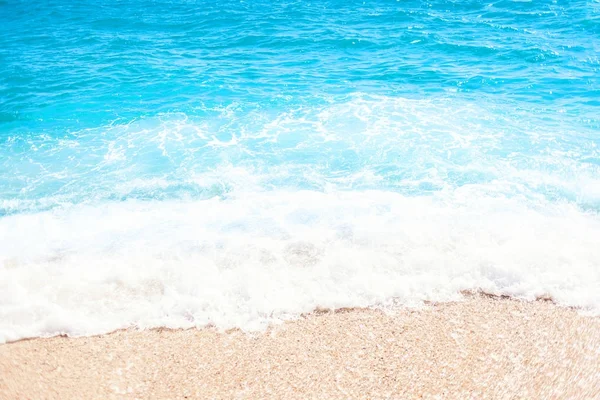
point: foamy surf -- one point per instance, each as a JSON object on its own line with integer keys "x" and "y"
{"x": 245, "y": 216}
{"x": 253, "y": 258}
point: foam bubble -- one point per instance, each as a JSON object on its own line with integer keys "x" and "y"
{"x": 261, "y": 256}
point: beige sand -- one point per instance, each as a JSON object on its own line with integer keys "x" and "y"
{"x": 479, "y": 348}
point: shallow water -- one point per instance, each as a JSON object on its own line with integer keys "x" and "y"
{"x": 183, "y": 163}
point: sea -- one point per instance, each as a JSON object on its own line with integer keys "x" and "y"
{"x": 237, "y": 163}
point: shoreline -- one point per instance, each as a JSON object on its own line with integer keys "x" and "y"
{"x": 466, "y": 295}
{"x": 483, "y": 346}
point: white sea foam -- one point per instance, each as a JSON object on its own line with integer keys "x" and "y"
{"x": 261, "y": 256}
{"x": 369, "y": 200}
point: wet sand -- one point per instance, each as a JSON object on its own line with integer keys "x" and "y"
{"x": 479, "y": 348}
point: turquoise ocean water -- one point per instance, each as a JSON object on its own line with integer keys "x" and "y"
{"x": 183, "y": 163}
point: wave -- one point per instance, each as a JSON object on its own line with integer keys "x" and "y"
{"x": 358, "y": 142}
{"x": 261, "y": 256}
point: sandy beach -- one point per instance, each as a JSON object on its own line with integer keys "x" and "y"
{"x": 479, "y": 348}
